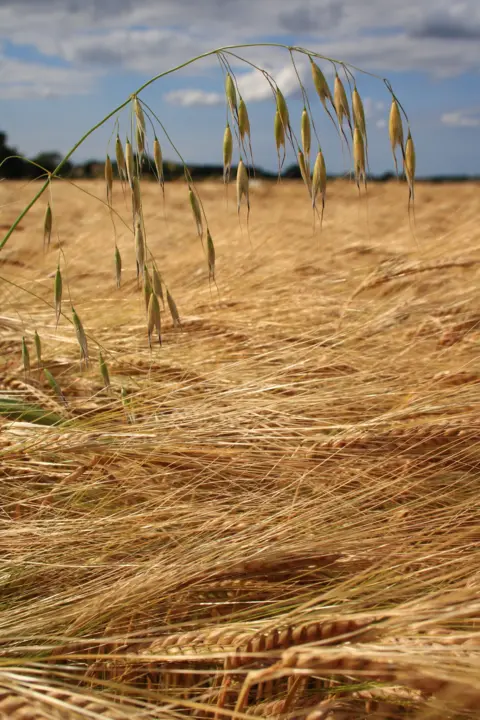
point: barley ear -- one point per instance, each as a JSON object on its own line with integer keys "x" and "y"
{"x": 211, "y": 256}
{"x": 81, "y": 337}
{"x": 58, "y": 288}
{"x": 104, "y": 371}
{"x": 109, "y": 179}
{"x": 38, "y": 348}
{"x": 227, "y": 153}
{"x": 47, "y": 227}
{"x": 118, "y": 267}
{"x": 25, "y": 356}
{"x": 173, "y": 310}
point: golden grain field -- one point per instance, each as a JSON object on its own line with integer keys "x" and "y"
{"x": 280, "y": 518}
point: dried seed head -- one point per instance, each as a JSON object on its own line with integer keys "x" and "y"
{"x": 81, "y": 337}
{"x": 38, "y": 347}
{"x": 243, "y": 120}
{"x": 227, "y": 153}
{"x": 231, "y": 94}
{"x": 139, "y": 247}
{"x": 173, "y": 310}
{"x": 54, "y": 385}
{"x": 211, "y": 256}
{"x": 147, "y": 287}
{"x": 279, "y": 130}
{"x": 129, "y": 162}
{"x": 321, "y": 85}
{"x": 305, "y": 173}
{"x": 359, "y": 112}
{"x": 104, "y": 371}
{"x": 359, "y": 156}
{"x": 47, "y": 227}
{"x": 25, "y": 356}
{"x": 154, "y": 319}
{"x": 120, "y": 157}
{"x": 157, "y": 284}
{"x": 140, "y": 138}
{"x": 395, "y": 130}
{"x": 58, "y": 288}
{"x": 283, "y": 110}
{"x": 340, "y": 101}
{"x": 410, "y": 164}
{"x": 136, "y": 196}
{"x": 158, "y": 160}
{"x": 242, "y": 185}
{"x": 118, "y": 266}
{"x": 197, "y": 212}
{"x": 109, "y": 179}
{"x": 319, "y": 179}
{"x": 306, "y": 133}
{"x": 137, "y": 106}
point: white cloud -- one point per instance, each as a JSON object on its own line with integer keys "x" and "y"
{"x": 20, "y": 79}
{"x": 381, "y": 124}
{"x": 187, "y": 97}
{"x": 462, "y": 118}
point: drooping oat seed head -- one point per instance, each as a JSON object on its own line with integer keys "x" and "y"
{"x": 197, "y": 212}
{"x": 242, "y": 185}
{"x": 211, "y": 256}
{"x": 81, "y": 337}
{"x": 54, "y": 385}
{"x": 319, "y": 180}
{"x": 283, "y": 109}
{"x": 120, "y": 157}
{"x": 340, "y": 99}
{"x": 173, "y": 310}
{"x": 279, "y": 131}
{"x": 118, "y": 267}
{"x": 243, "y": 120}
{"x": 410, "y": 164}
{"x": 231, "y": 94}
{"x": 47, "y": 227}
{"x": 306, "y": 135}
{"x": 359, "y": 112}
{"x": 154, "y": 319}
{"x": 158, "y": 160}
{"x": 321, "y": 85}
{"x": 38, "y": 348}
{"x": 136, "y": 196}
{"x": 140, "y": 139}
{"x": 137, "y": 106}
{"x": 104, "y": 371}
{"x": 147, "y": 287}
{"x": 129, "y": 162}
{"x": 359, "y": 157}
{"x": 25, "y": 356}
{"x": 227, "y": 153}
{"x": 304, "y": 171}
{"x": 109, "y": 179}
{"x": 57, "y": 291}
{"x": 157, "y": 284}
{"x": 139, "y": 247}
{"x": 395, "y": 130}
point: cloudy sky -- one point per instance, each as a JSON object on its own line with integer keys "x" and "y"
{"x": 64, "y": 64}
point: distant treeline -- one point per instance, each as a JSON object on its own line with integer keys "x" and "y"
{"x": 17, "y": 167}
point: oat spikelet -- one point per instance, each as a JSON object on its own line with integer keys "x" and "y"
{"x": 154, "y": 319}
{"x": 58, "y": 288}
{"x": 321, "y": 85}
{"x": 157, "y": 284}
{"x": 197, "y": 212}
{"x": 104, "y": 371}
{"x": 158, "y": 160}
{"x": 173, "y": 310}
{"x": 395, "y": 130}
{"x": 279, "y": 131}
{"x": 231, "y": 94}
{"x": 139, "y": 247}
{"x": 410, "y": 163}
{"x": 211, "y": 256}
{"x": 147, "y": 287}
{"x": 242, "y": 185}
{"x": 359, "y": 157}
{"x": 227, "y": 153}
{"x": 319, "y": 181}
{"x": 109, "y": 179}
{"x": 136, "y": 196}
{"x": 140, "y": 130}
{"x": 25, "y": 356}
{"x": 81, "y": 337}
{"x": 54, "y": 385}
{"x": 359, "y": 113}
{"x": 243, "y": 120}
{"x": 341, "y": 102}
{"x": 120, "y": 157}
{"x": 306, "y": 135}
{"x": 38, "y": 348}
{"x": 118, "y": 267}
{"x": 140, "y": 139}
{"x": 47, "y": 227}
{"x": 283, "y": 110}
{"x": 129, "y": 162}
{"x": 304, "y": 171}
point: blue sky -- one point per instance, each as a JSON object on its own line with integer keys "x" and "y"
{"x": 64, "y": 64}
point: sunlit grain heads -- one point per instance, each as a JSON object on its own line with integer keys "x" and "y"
{"x": 38, "y": 348}
{"x": 136, "y": 196}
{"x": 104, "y": 371}
{"x": 47, "y": 227}
{"x": 173, "y": 310}
{"x": 25, "y": 356}
{"x": 395, "y": 130}
{"x": 81, "y": 337}
{"x": 359, "y": 156}
{"x": 197, "y": 211}
{"x": 147, "y": 287}
{"x": 279, "y": 132}
{"x": 109, "y": 179}
{"x": 158, "y": 160}
{"x": 319, "y": 180}
{"x": 242, "y": 185}
{"x": 139, "y": 247}
{"x": 306, "y": 135}
{"x": 282, "y": 109}
{"x": 341, "y": 102}
{"x": 359, "y": 112}
{"x": 129, "y": 162}
{"x": 58, "y": 290}
{"x": 54, "y": 385}
{"x": 410, "y": 163}
{"x": 140, "y": 129}
{"x": 154, "y": 319}
{"x": 120, "y": 158}
{"x": 157, "y": 284}
{"x": 227, "y": 153}
{"x": 304, "y": 171}
{"x": 140, "y": 140}
{"x": 231, "y": 94}
{"x": 118, "y": 267}
{"x": 243, "y": 120}
{"x": 321, "y": 85}
{"x": 211, "y": 256}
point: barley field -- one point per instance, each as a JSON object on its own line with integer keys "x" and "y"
{"x": 279, "y": 515}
